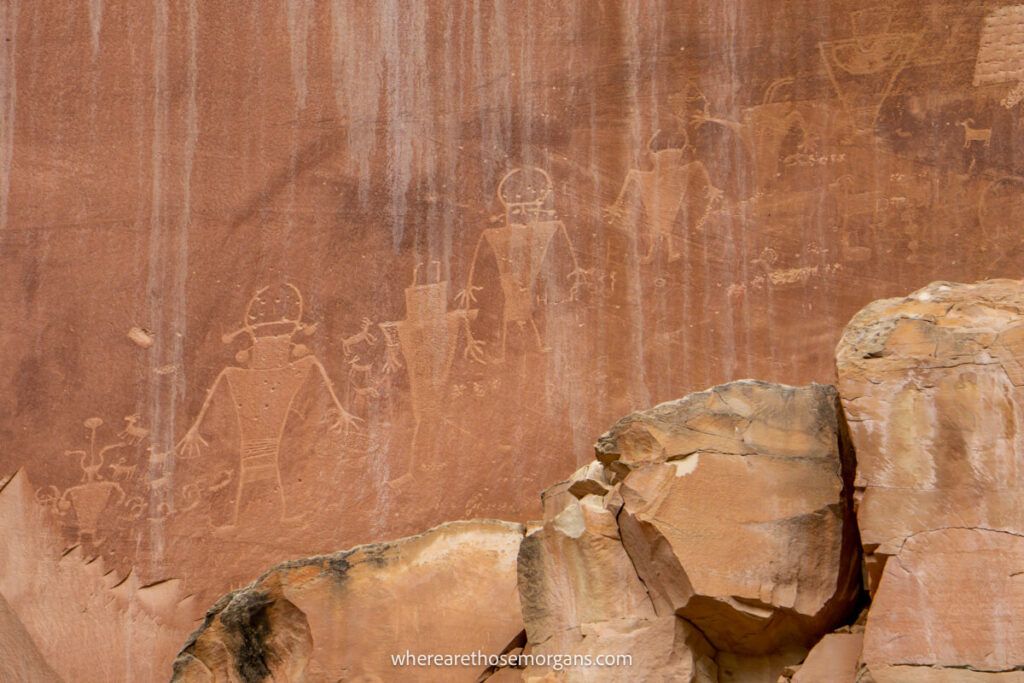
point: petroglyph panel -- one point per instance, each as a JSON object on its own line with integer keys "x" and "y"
{"x": 288, "y": 278}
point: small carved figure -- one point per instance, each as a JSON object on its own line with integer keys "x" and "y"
{"x": 972, "y": 134}
{"x": 132, "y": 432}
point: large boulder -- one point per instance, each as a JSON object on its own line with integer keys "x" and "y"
{"x": 736, "y": 513}
{"x": 348, "y": 616}
{"x": 583, "y": 601}
{"x": 933, "y": 388}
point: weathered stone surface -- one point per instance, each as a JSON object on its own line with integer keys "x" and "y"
{"x": 581, "y": 596}
{"x": 20, "y": 659}
{"x": 933, "y": 387}
{"x": 735, "y": 514}
{"x": 574, "y": 571}
{"x": 451, "y": 590}
{"x": 834, "y": 659}
{"x": 663, "y": 649}
{"x": 88, "y": 623}
{"x": 950, "y": 599}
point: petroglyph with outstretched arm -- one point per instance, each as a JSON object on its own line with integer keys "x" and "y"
{"x": 520, "y": 247}
{"x": 263, "y": 389}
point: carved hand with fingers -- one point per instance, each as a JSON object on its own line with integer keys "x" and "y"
{"x": 342, "y": 421}
{"x": 467, "y": 296}
{"x": 192, "y": 444}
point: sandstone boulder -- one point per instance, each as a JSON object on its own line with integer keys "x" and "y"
{"x": 449, "y": 591}
{"x": 20, "y": 659}
{"x": 949, "y": 602}
{"x": 834, "y": 659}
{"x": 582, "y": 598}
{"x": 735, "y": 512}
{"x": 933, "y": 389}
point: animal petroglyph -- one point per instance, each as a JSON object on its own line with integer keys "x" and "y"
{"x": 261, "y": 391}
{"x": 1001, "y": 52}
{"x": 863, "y": 69}
{"x": 972, "y": 134}
{"x": 520, "y": 248}
{"x": 663, "y": 191}
{"x": 364, "y": 336}
{"x": 132, "y": 432}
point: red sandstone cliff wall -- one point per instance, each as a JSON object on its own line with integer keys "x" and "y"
{"x": 695, "y": 192}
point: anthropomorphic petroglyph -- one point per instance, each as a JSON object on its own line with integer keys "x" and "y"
{"x": 262, "y": 389}
{"x": 863, "y": 69}
{"x": 428, "y": 338}
{"x": 91, "y": 498}
{"x": 663, "y": 191}
{"x": 520, "y": 248}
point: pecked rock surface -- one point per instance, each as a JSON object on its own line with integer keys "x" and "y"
{"x": 932, "y": 388}
{"x": 735, "y": 512}
{"x": 340, "y": 617}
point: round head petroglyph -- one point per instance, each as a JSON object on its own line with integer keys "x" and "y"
{"x": 524, "y": 192}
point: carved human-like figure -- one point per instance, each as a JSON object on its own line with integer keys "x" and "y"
{"x": 663, "y": 191}
{"x": 261, "y": 391}
{"x": 520, "y": 248}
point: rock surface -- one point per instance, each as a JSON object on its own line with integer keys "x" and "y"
{"x": 950, "y": 599}
{"x": 20, "y": 659}
{"x": 735, "y": 512}
{"x": 451, "y": 590}
{"x": 834, "y": 659}
{"x": 509, "y": 224}
{"x": 933, "y": 388}
{"x": 712, "y": 540}
{"x": 88, "y": 622}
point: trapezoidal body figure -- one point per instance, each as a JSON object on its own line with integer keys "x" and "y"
{"x": 663, "y": 193}
{"x": 520, "y": 248}
{"x": 428, "y": 338}
{"x": 261, "y": 391}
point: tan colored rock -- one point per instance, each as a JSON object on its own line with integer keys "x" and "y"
{"x": 735, "y": 515}
{"x": 20, "y": 659}
{"x": 87, "y": 622}
{"x": 574, "y": 571}
{"x": 582, "y": 598}
{"x": 833, "y": 660}
{"x": 932, "y": 386}
{"x": 950, "y": 599}
{"x": 734, "y": 668}
{"x": 663, "y": 650}
{"x": 933, "y": 389}
{"x": 451, "y": 590}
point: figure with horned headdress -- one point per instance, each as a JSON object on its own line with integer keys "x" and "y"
{"x": 263, "y": 387}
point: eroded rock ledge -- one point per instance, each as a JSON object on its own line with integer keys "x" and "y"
{"x": 730, "y": 536}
